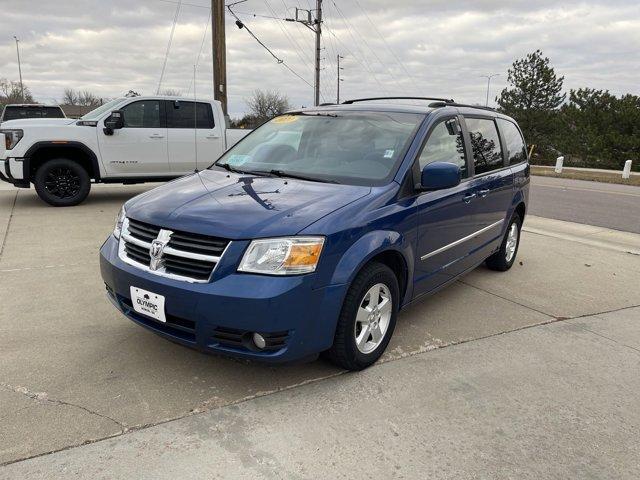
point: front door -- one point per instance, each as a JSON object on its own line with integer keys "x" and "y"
{"x": 446, "y": 222}
{"x": 140, "y": 147}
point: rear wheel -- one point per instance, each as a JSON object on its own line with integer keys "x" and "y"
{"x": 62, "y": 182}
{"x": 505, "y": 257}
{"x": 367, "y": 319}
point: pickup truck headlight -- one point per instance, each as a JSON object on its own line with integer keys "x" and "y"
{"x": 119, "y": 221}
{"x": 282, "y": 256}
{"x": 11, "y": 138}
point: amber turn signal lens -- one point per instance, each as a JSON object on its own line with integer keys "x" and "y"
{"x": 303, "y": 255}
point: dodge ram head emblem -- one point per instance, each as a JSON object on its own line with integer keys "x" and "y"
{"x": 156, "y": 250}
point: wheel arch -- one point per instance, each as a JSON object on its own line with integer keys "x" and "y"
{"x": 387, "y": 247}
{"x": 40, "y": 152}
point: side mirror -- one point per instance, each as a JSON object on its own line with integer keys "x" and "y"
{"x": 115, "y": 121}
{"x": 439, "y": 175}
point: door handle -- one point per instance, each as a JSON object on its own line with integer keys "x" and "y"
{"x": 213, "y": 136}
{"x": 483, "y": 193}
{"x": 468, "y": 197}
{"x": 156, "y": 135}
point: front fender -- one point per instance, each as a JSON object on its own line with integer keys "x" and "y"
{"x": 367, "y": 247}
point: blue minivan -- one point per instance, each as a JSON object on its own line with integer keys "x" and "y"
{"x": 310, "y": 234}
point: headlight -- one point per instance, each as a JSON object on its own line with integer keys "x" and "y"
{"x": 119, "y": 221}
{"x": 11, "y": 138}
{"x": 282, "y": 256}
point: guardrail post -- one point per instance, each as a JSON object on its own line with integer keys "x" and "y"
{"x": 559, "y": 163}
{"x": 626, "y": 172}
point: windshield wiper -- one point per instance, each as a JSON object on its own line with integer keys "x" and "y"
{"x": 319, "y": 114}
{"x": 280, "y": 173}
{"x": 229, "y": 168}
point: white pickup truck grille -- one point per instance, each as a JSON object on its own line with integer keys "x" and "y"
{"x": 181, "y": 255}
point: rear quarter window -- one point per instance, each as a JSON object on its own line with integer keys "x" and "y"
{"x": 516, "y": 149}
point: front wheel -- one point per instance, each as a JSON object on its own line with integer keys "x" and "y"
{"x": 62, "y": 182}
{"x": 505, "y": 257}
{"x": 367, "y": 319}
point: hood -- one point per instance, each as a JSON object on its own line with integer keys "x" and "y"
{"x": 37, "y": 122}
{"x": 240, "y": 206}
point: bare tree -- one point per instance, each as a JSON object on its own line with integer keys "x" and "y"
{"x": 84, "y": 98}
{"x": 171, "y": 92}
{"x": 264, "y": 105}
{"x": 10, "y": 92}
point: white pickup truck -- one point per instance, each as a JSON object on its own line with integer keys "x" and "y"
{"x": 127, "y": 140}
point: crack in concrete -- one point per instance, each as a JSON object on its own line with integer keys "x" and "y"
{"x": 43, "y": 397}
{"x": 126, "y": 430}
{"x": 6, "y": 232}
{"x": 637, "y": 350}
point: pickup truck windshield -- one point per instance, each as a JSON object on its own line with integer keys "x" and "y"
{"x": 361, "y": 148}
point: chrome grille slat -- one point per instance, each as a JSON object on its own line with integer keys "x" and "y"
{"x": 179, "y": 255}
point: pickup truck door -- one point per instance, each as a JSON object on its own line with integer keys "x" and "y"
{"x": 196, "y": 140}
{"x": 140, "y": 147}
{"x": 446, "y": 223}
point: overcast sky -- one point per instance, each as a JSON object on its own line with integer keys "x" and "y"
{"x": 419, "y": 47}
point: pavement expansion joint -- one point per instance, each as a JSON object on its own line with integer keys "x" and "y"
{"x": 6, "y": 232}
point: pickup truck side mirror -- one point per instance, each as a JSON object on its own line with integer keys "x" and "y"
{"x": 439, "y": 175}
{"x": 115, "y": 121}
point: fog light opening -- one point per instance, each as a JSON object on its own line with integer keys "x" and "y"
{"x": 259, "y": 341}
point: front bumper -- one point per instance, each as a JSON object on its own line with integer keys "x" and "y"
{"x": 231, "y": 302}
{"x": 12, "y": 171}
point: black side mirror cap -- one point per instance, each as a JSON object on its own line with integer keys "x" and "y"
{"x": 115, "y": 121}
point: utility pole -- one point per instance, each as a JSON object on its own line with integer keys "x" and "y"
{"x": 19, "y": 69}
{"x": 318, "y": 25}
{"x": 315, "y": 25}
{"x": 489, "y": 77}
{"x": 338, "y": 57}
{"x": 219, "y": 50}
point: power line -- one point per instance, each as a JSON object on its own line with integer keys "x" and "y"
{"x": 279, "y": 60}
{"x": 387, "y": 45}
{"x": 204, "y": 37}
{"x": 166, "y": 55}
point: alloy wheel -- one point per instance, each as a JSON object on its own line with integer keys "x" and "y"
{"x": 373, "y": 318}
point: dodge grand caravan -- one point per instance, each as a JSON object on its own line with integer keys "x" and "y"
{"x": 311, "y": 233}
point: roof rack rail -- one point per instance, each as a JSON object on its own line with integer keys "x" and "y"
{"x": 349, "y": 102}
{"x": 491, "y": 109}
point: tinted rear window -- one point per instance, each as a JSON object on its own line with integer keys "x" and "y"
{"x": 485, "y": 143}
{"x": 181, "y": 115}
{"x": 516, "y": 150}
{"x": 18, "y": 113}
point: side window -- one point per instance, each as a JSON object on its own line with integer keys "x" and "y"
{"x": 181, "y": 115}
{"x": 516, "y": 150}
{"x": 445, "y": 144}
{"x": 485, "y": 143}
{"x": 142, "y": 114}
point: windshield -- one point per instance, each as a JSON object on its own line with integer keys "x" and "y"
{"x": 361, "y": 148}
{"x": 96, "y": 113}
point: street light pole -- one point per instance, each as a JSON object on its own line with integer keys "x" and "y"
{"x": 19, "y": 69}
{"x": 339, "y": 79}
{"x": 489, "y": 77}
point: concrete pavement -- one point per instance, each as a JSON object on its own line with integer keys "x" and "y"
{"x": 74, "y": 370}
{"x": 601, "y": 204}
{"x": 550, "y": 402}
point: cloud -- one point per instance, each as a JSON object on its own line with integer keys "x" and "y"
{"x": 404, "y": 47}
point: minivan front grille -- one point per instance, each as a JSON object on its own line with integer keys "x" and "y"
{"x": 182, "y": 255}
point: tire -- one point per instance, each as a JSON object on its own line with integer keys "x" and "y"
{"x": 62, "y": 182}
{"x": 377, "y": 281}
{"x": 505, "y": 257}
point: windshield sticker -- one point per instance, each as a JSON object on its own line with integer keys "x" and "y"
{"x": 285, "y": 119}
{"x": 388, "y": 153}
{"x": 236, "y": 160}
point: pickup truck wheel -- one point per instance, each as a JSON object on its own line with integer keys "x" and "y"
{"x": 62, "y": 182}
{"x": 505, "y": 257}
{"x": 367, "y": 319}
